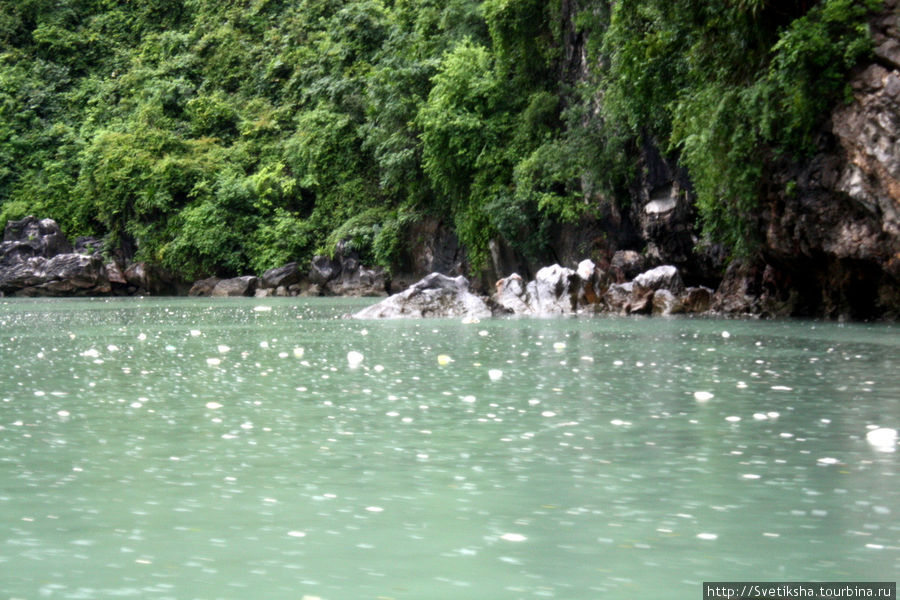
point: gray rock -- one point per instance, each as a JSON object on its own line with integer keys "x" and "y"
{"x": 627, "y": 264}
{"x": 323, "y": 269}
{"x": 30, "y": 237}
{"x": 434, "y": 296}
{"x": 510, "y": 294}
{"x": 62, "y": 275}
{"x": 554, "y": 291}
{"x": 236, "y": 286}
{"x": 664, "y": 302}
{"x": 665, "y": 277}
{"x": 284, "y": 276}
{"x": 204, "y": 287}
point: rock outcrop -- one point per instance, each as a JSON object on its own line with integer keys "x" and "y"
{"x": 345, "y": 275}
{"x": 36, "y": 259}
{"x": 434, "y": 296}
{"x": 560, "y": 291}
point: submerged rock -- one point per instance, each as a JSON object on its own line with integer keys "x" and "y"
{"x": 434, "y": 296}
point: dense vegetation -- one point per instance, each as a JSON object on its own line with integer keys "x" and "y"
{"x": 233, "y": 135}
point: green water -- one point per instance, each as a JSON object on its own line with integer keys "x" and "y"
{"x": 133, "y": 465}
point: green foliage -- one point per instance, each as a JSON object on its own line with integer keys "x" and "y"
{"x": 217, "y": 137}
{"x": 729, "y": 87}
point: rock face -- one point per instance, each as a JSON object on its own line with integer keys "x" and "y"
{"x": 560, "y": 291}
{"x": 37, "y": 260}
{"x": 434, "y": 296}
{"x": 345, "y": 275}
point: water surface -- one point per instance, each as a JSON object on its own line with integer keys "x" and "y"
{"x": 185, "y": 448}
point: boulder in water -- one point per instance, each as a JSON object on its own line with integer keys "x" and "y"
{"x": 435, "y": 295}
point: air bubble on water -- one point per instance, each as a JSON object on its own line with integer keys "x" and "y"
{"x": 262, "y": 308}
{"x": 91, "y": 353}
{"x": 883, "y": 439}
{"x": 733, "y": 419}
{"x": 444, "y": 360}
{"x": 196, "y": 333}
{"x": 61, "y": 413}
{"x": 773, "y": 414}
{"x": 298, "y": 352}
{"x": 559, "y": 346}
{"x": 513, "y": 537}
{"x": 760, "y": 416}
{"x": 213, "y": 405}
{"x": 618, "y": 363}
{"x": 587, "y": 358}
{"x": 703, "y": 396}
{"x": 707, "y": 536}
{"x": 283, "y": 355}
{"x": 378, "y": 368}
{"x": 354, "y": 359}
{"x": 112, "y": 348}
{"x": 741, "y": 385}
{"x": 468, "y": 399}
{"x": 142, "y": 336}
{"x": 548, "y": 413}
{"x": 495, "y": 374}
{"x": 296, "y": 534}
{"x": 726, "y": 335}
{"x": 39, "y": 393}
{"x": 782, "y": 388}
{"x": 750, "y": 476}
{"x": 222, "y": 348}
{"x": 827, "y": 460}
{"x": 213, "y": 362}
{"x": 374, "y": 509}
{"x": 483, "y": 333}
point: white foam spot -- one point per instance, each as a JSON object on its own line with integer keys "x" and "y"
{"x": 63, "y": 413}
{"x": 726, "y": 335}
{"x": 354, "y": 358}
{"x": 222, "y": 348}
{"x": 112, "y": 348}
{"x": 742, "y": 385}
{"x": 213, "y": 405}
{"x": 559, "y": 346}
{"x": 262, "y": 308}
{"x": 760, "y": 416}
{"x": 883, "y": 439}
{"x": 378, "y": 368}
{"x": 703, "y": 396}
{"x": 91, "y": 353}
{"x": 374, "y": 509}
{"x": 773, "y": 414}
{"x": 513, "y": 537}
{"x": 297, "y": 534}
{"x": 707, "y": 536}
{"x": 142, "y": 336}
{"x": 196, "y": 333}
{"x": 827, "y": 460}
{"x": 782, "y": 388}
{"x": 443, "y": 359}
{"x": 495, "y": 374}
{"x": 548, "y": 413}
{"x": 298, "y": 352}
{"x": 264, "y": 344}
{"x": 468, "y": 399}
{"x": 750, "y": 476}
{"x": 733, "y": 419}
{"x": 213, "y": 362}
